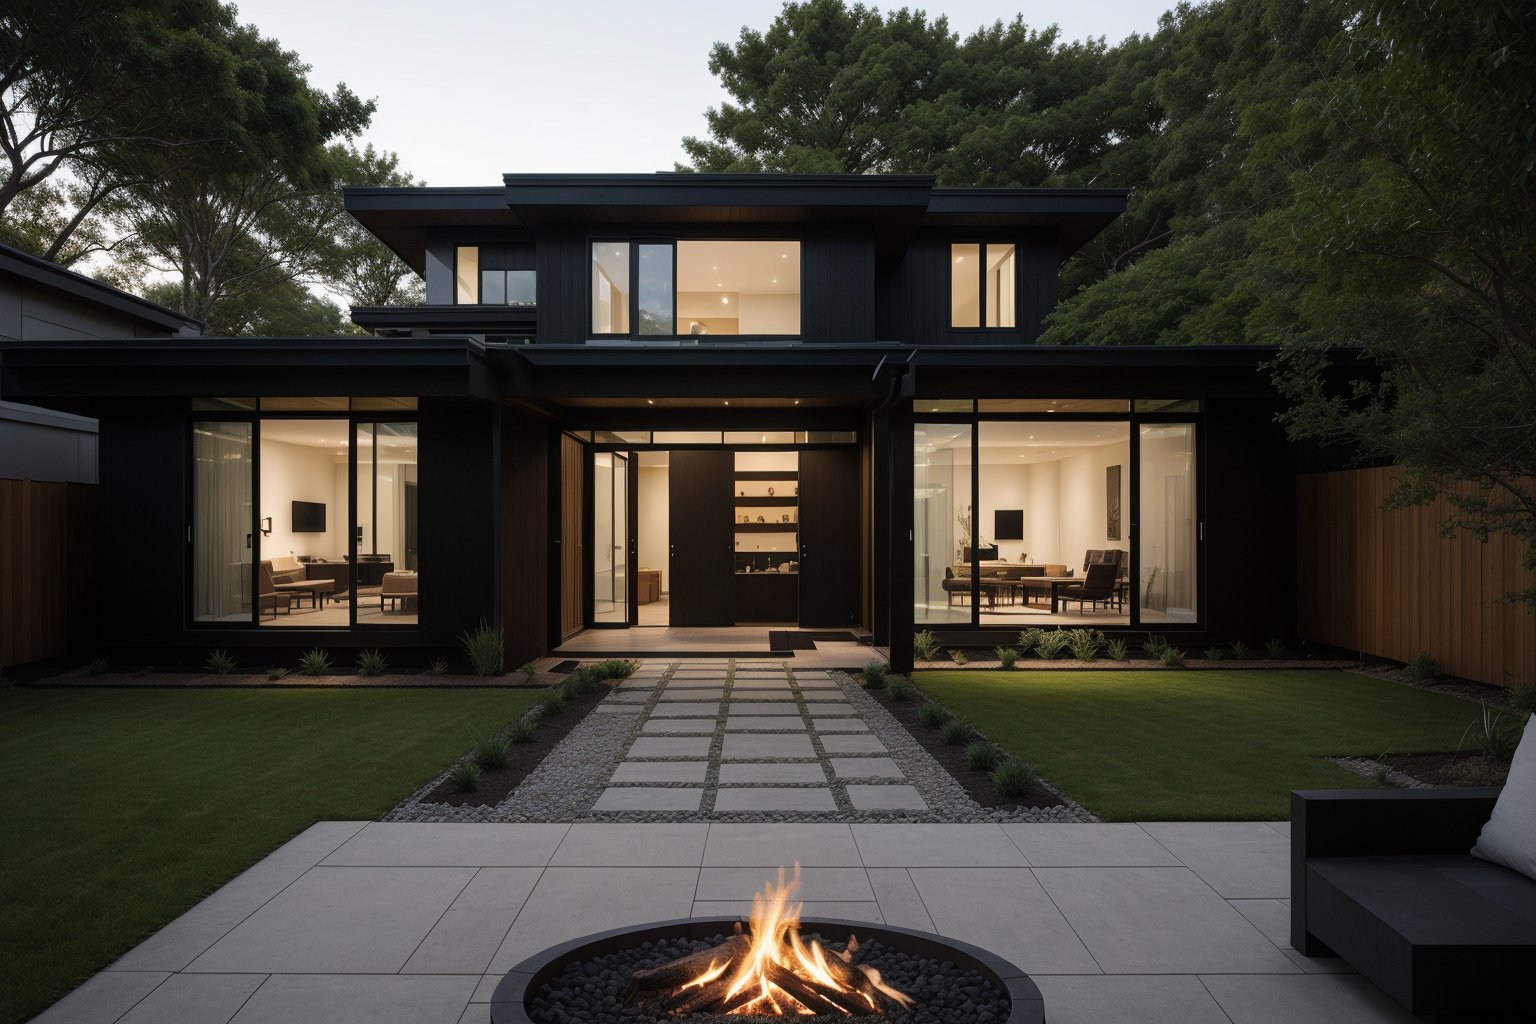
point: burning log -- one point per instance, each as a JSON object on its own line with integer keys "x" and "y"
{"x": 681, "y": 971}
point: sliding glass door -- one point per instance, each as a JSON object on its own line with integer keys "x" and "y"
{"x": 610, "y": 538}
{"x": 221, "y": 532}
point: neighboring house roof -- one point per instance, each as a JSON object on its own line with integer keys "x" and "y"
{"x": 893, "y": 205}
{"x": 16, "y": 263}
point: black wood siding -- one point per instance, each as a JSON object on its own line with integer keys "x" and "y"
{"x": 458, "y": 518}
{"x": 524, "y": 524}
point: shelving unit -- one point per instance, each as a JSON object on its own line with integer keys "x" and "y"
{"x": 764, "y": 594}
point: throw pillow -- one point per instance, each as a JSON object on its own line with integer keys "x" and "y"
{"x": 1509, "y": 838}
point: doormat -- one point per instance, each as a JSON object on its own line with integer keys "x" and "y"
{"x": 806, "y": 640}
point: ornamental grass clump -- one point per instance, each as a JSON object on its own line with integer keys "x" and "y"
{"x": 1154, "y": 646}
{"x": 959, "y": 657}
{"x": 615, "y": 668}
{"x": 490, "y": 752}
{"x": 1214, "y": 653}
{"x": 438, "y": 667}
{"x": 522, "y": 730}
{"x": 1172, "y": 657}
{"x": 529, "y": 669}
{"x": 924, "y": 646}
{"x": 1239, "y": 649}
{"x": 1523, "y": 698}
{"x": 274, "y": 674}
{"x": 553, "y": 702}
{"x": 583, "y": 681}
{"x": 1007, "y": 657}
{"x": 465, "y": 776}
{"x": 1028, "y": 640}
{"x": 982, "y": 756}
{"x": 898, "y": 689}
{"x": 485, "y": 646}
{"x": 1275, "y": 649}
{"x": 372, "y": 663}
{"x": 1493, "y": 734}
{"x": 315, "y": 662}
{"x": 1051, "y": 644}
{"x": 1117, "y": 650}
{"x": 874, "y": 674}
{"x": 1085, "y": 643}
{"x": 932, "y": 715}
{"x": 957, "y": 731}
{"x": 220, "y": 662}
{"x": 1013, "y": 778}
{"x": 1423, "y": 667}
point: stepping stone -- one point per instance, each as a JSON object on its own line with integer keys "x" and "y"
{"x": 635, "y": 697}
{"x": 669, "y": 694}
{"x": 770, "y": 772}
{"x": 648, "y": 798}
{"x": 744, "y": 746}
{"x": 621, "y": 709}
{"x": 660, "y": 771}
{"x": 747, "y": 675}
{"x": 803, "y": 798}
{"x": 776, "y": 695}
{"x": 764, "y": 683}
{"x": 817, "y": 708}
{"x": 671, "y": 746}
{"x": 700, "y": 683}
{"x": 746, "y": 723}
{"x": 839, "y": 725}
{"x": 639, "y": 684}
{"x": 852, "y": 745}
{"x": 886, "y": 798}
{"x": 783, "y": 709}
{"x": 865, "y": 768}
{"x": 802, "y": 675}
{"x": 687, "y": 709}
{"x": 680, "y": 726}
{"x": 817, "y": 684}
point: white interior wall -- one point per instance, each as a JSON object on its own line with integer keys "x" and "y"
{"x": 1042, "y": 515}
{"x": 655, "y": 521}
{"x": 768, "y": 314}
{"x": 1082, "y": 501}
{"x": 1002, "y": 487}
{"x": 295, "y": 472}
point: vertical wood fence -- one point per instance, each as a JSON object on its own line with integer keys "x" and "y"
{"x": 1386, "y": 583}
{"x": 47, "y": 547}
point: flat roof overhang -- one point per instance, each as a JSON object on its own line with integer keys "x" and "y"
{"x": 400, "y": 217}
{"x": 460, "y": 319}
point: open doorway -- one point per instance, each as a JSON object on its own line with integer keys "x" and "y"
{"x": 653, "y": 530}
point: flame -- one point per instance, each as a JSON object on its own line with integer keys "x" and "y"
{"x": 775, "y": 942}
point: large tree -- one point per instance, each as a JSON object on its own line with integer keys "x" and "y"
{"x": 357, "y": 265}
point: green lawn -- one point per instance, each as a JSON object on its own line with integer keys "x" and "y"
{"x": 122, "y": 808}
{"x": 1211, "y": 744}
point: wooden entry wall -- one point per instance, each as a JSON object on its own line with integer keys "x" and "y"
{"x": 573, "y": 480}
{"x": 47, "y": 555}
{"x": 1386, "y": 583}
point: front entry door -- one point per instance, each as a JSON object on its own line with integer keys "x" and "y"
{"x": 702, "y": 535}
{"x": 610, "y": 539}
{"x": 829, "y": 537}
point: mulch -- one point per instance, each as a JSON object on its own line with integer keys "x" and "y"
{"x": 952, "y": 757}
{"x": 1463, "y": 769}
{"x": 173, "y": 678}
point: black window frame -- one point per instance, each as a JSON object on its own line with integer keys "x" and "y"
{"x": 981, "y": 284}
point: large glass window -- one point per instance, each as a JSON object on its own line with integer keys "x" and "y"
{"x": 387, "y": 530}
{"x": 738, "y": 287}
{"x": 976, "y": 283}
{"x": 1170, "y": 531}
{"x": 610, "y": 288}
{"x": 1000, "y": 286}
{"x": 301, "y": 571}
{"x": 655, "y": 290}
{"x": 965, "y": 285}
{"x": 221, "y": 522}
{"x": 507, "y": 287}
{"x": 466, "y": 273}
{"x": 943, "y": 523}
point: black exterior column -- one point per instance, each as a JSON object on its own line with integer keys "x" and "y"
{"x": 893, "y": 552}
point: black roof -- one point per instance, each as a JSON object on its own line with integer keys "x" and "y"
{"x": 24, "y": 265}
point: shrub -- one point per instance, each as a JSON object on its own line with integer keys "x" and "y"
{"x": 465, "y": 776}
{"x": 1275, "y": 648}
{"x": 1117, "y": 650}
{"x": 438, "y": 667}
{"x": 1172, "y": 657}
{"x": 924, "y": 646}
{"x": 982, "y": 756}
{"x": 958, "y": 657}
{"x": 1051, "y": 644}
{"x": 874, "y": 674}
{"x": 957, "y": 731}
{"x": 530, "y": 670}
{"x": 1239, "y": 649}
{"x": 1493, "y": 734}
{"x": 1007, "y": 656}
{"x": 315, "y": 662}
{"x": 1523, "y": 698}
{"x": 553, "y": 702}
{"x": 522, "y": 730}
{"x": 932, "y": 715}
{"x": 220, "y": 663}
{"x": 1085, "y": 643}
{"x": 1029, "y": 638}
{"x": 1154, "y": 646}
{"x": 1013, "y": 777}
{"x": 898, "y": 689}
{"x": 1215, "y": 653}
{"x": 372, "y": 663}
{"x": 97, "y": 667}
{"x": 486, "y": 646}
{"x": 583, "y": 681}
{"x": 615, "y": 668}
{"x": 490, "y": 752}
{"x": 274, "y": 674}
{"x": 1423, "y": 667}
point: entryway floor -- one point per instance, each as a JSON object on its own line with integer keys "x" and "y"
{"x": 416, "y": 923}
{"x": 713, "y": 641}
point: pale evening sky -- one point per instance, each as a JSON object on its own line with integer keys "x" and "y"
{"x": 471, "y": 89}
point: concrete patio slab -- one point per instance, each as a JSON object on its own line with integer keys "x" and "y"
{"x": 679, "y": 727}
{"x": 761, "y": 773}
{"x": 816, "y": 883}
{"x": 1158, "y": 921}
{"x": 404, "y": 844}
{"x": 687, "y": 709}
{"x": 865, "y": 768}
{"x": 571, "y": 902}
{"x": 649, "y": 798}
{"x": 829, "y": 709}
{"x": 604, "y": 845}
{"x": 775, "y": 798}
{"x": 921, "y": 846}
{"x": 871, "y": 797}
{"x": 898, "y": 898}
{"x": 359, "y": 999}
{"x": 339, "y": 920}
{"x": 852, "y": 745}
{"x": 771, "y": 696}
{"x": 748, "y": 723}
{"x": 781, "y": 709}
{"x": 104, "y": 998}
{"x": 1303, "y": 999}
{"x": 1129, "y": 999}
{"x": 1004, "y": 910}
{"x": 194, "y": 999}
{"x": 671, "y": 695}
{"x": 772, "y": 845}
{"x": 845, "y": 910}
{"x": 1240, "y": 859}
{"x": 741, "y": 746}
{"x": 839, "y": 725}
{"x": 670, "y": 746}
{"x": 660, "y": 771}
{"x": 469, "y": 934}
{"x": 1069, "y": 844}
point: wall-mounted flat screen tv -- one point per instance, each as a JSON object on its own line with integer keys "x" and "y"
{"x": 309, "y": 517}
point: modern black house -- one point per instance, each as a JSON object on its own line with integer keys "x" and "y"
{"x": 686, "y": 400}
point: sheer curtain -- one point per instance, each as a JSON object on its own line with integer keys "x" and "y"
{"x": 221, "y": 522}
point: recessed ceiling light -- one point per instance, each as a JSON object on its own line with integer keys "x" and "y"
{"x": 714, "y": 268}
{"x": 775, "y": 280}
{"x": 797, "y": 401}
{"x": 783, "y": 255}
{"x": 650, "y": 401}
{"x": 725, "y": 300}
{"x": 727, "y": 401}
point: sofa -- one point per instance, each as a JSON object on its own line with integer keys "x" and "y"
{"x": 1385, "y": 880}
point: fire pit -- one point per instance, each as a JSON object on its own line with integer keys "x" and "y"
{"x": 774, "y": 965}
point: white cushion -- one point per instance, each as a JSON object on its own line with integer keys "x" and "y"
{"x": 1509, "y": 838}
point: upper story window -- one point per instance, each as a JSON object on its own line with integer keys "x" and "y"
{"x": 983, "y": 277}
{"x": 473, "y": 286}
{"x": 694, "y": 288}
